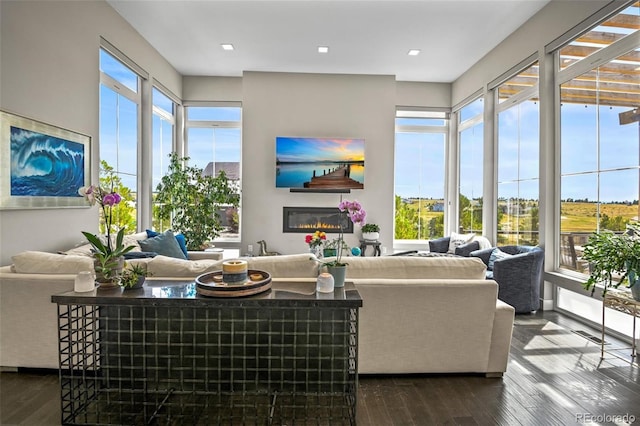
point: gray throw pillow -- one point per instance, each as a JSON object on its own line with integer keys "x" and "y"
{"x": 496, "y": 254}
{"x": 164, "y": 244}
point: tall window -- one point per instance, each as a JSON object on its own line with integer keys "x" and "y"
{"x": 598, "y": 76}
{"x": 420, "y": 174}
{"x": 471, "y": 165}
{"x": 119, "y": 132}
{"x": 599, "y": 138}
{"x": 163, "y": 142}
{"x": 214, "y": 144}
{"x": 600, "y": 164}
{"x": 518, "y": 159}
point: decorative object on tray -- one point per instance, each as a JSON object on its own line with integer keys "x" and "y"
{"x": 349, "y": 210}
{"x": 235, "y": 271}
{"x": 192, "y": 201}
{"x": 84, "y": 281}
{"x": 325, "y": 283}
{"x": 315, "y": 242}
{"x": 109, "y": 258}
{"x": 133, "y": 276}
{"x": 370, "y": 232}
{"x": 213, "y": 284}
{"x": 614, "y": 259}
{"x": 264, "y": 251}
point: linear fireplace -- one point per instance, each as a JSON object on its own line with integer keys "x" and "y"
{"x": 309, "y": 219}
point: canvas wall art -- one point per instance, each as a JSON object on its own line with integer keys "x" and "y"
{"x": 319, "y": 163}
{"x": 42, "y": 166}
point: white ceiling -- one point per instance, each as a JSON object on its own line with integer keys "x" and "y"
{"x": 364, "y": 37}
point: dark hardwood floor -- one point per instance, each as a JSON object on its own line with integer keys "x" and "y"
{"x": 555, "y": 377}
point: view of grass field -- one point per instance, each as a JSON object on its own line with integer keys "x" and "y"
{"x": 427, "y": 216}
{"x": 581, "y": 216}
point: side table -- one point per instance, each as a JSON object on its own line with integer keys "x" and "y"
{"x": 374, "y": 243}
{"x": 621, "y": 301}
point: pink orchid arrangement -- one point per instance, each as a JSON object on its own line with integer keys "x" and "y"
{"x": 356, "y": 214}
{"x": 106, "y": 255}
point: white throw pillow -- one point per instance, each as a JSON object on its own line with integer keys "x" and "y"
{"x": 458, "y": 240}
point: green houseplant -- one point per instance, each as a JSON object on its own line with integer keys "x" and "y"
{"x": 370, "y": 232}
{"x": 370, "y": 227}
{"x": 133, "y": 276}
{"x": 614, "y": 259}
{"x": 191, "y": 201}
{"x": 108, "y": 255}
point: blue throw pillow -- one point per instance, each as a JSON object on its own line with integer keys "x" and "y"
{"x": 164, "y": 244}
{"x": 496, "y": 254}
{"x": 182, "y": 241}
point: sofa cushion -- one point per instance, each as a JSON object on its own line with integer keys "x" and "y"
{"x": 290, "y": 266}
{"x": 38, "y": 262}
{"x": 164, "y": 244}
{"x": 409, "y": 267}
{"x": 496, "y": 254}
{"x": 171, "y": 267}
{"x": 182, "y": 241}
{"x": 458, "y": 240}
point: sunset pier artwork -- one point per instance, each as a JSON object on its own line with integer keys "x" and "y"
{"x": 323, "y": 164}
{"x": 338, "y": 178}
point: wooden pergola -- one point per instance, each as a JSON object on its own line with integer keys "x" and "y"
{"x": 616, "y": 83}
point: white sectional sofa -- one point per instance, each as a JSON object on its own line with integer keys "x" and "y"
{"x": 419, "y": 314}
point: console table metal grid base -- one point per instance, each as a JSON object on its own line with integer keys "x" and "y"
{"x": 194, "y": 365}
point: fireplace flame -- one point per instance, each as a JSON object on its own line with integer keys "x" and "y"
{"x": 318, "y": 225}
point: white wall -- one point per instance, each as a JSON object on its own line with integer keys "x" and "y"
{"x": 49, "y": 72}
{"x": 319, "y": 105}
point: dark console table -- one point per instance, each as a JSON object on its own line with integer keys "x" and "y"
{"x": 165, "y": 355}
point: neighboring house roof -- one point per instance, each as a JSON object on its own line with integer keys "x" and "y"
{"x": 231, "y": 169}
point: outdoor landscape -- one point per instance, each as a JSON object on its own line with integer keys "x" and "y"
{"x": 424, "y": 218}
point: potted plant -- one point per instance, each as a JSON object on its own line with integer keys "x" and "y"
{"x": 191, "y": 201}
{"x": 614, "y": 259}
{"x": 133, "y": 277}
{"x": 108, "y": 256}
{"x": 370, "y": 232}
{"x": 353, "y": 211}
{"x": 331, "y": 247}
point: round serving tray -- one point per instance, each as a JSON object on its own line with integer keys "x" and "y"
{"x": 211, "y": 284}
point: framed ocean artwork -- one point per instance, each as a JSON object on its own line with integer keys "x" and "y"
{"x": 41, "y": 166}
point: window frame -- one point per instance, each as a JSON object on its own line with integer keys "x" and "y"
{"x": 444, "y": 129}
{"x": 218, "y": 124}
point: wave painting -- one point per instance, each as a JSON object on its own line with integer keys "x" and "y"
{"x": 44, "y": 165}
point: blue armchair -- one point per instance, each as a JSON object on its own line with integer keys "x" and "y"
{"x": 518, "y": 272}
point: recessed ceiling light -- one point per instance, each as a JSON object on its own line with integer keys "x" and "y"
{"x": 323, "y": 49}
{"x": 414, "y": 52}
{"x": 227, "y": 46}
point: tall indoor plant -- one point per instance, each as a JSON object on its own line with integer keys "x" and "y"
{"x": 614, "y": 259}
{"x": 191, "y": 201}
